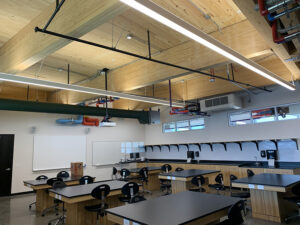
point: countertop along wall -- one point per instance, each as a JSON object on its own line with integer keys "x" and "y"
{"x": 218, "y": 130}
{"x": 20, "y": 124}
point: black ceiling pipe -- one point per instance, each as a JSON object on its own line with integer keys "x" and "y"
{"x": 29, "y": 106}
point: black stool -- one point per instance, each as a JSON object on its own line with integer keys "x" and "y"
{"x": 165, "y": 184}
{"x": 242, "y": 194}
{"x": 296, "y": 200}
{"x": 130, "y": 191}
{"x": 250, "y": 173}
{"x": 59, "y": 184}
{"x": 114, "y": 174}
{"x": 219, "y": 185}
{"x": 99, "y": 193}
{"x": 144, "y": 179}
{"x": 235, "y": 216}
{"x": 125, "y": 173}
{"x": 198, "y": 181}
{"x": 50, "y": 182}
{"x": 63, "y": 174}
{"x": 86, "y": 180}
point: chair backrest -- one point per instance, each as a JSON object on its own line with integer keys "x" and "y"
{"x": 144, "y": 173}
{"x": 52, "y": 180}
{"x": 124, "y": 172}
{"x": 219, "y": 178}
{"x": 130, "y": 189}
{"x": 137, "y": 199}
{"x": 250, "y": 173}
{"x": 42, "y": 177}
{"x": 198, "y": 180}
{"x": 63, "y": 174}
{"x": 179, "y": 169}
{"x": 166, "y": 168}
{"x": 100, "y": 192}
{"x": 114, "y": 171}
{"x": 86, "y": 180}
{"x": 296, "y": 190}
{"x": 235, "y": 213}
{"x": 232, "y": 177}
{"x": 59, "y": 184}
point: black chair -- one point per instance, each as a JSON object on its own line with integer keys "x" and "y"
{"x": 178, "y": 169}
{"x": 219, "y": 185}
{"x": 244, "y": 195}
{"x": 86, "y": 180}
{"x": 144, "y": 179}
{"x": 165, "y": 185}
{"x": 55, "y": 206}
{"x": 61, "y": 219}
{"x": 198, "y": 181}
{"x": 114, "y": 174}
{"x": 235, "y": 216}
{"x": 130, "y": 191}
{"x": 125, "y": 173}
{"x": 296, "y": 200}
{"x": 99, "y": 193}
{"x": 63, "y": 174}
{"x": 250, "y": 173}
{"x": 41, "y": 177}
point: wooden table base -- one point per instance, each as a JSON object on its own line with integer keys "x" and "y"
{"x": 78, "y": 215}
{"x": 43, "y": 200}
{"x": 270, "y": 205}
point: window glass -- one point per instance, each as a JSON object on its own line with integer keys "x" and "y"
{"x": 197, "y": 124}
{"x": 263, "y": 115}
{"x": 182, "y": 125}
{"x": 169, "y": 127}
{"x": 288, "y": 112}
{"x": 240, "y": 118}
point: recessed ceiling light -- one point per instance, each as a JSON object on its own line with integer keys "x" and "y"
{"x": 60, "y": 69}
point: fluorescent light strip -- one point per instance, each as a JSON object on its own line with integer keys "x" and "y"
{"x": 81, "y": 89}
{"x": 163, "y": 16}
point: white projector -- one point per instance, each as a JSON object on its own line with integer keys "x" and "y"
{"x": 108, "y": 124}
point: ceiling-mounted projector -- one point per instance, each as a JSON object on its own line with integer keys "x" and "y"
{"x": 108, "y": 124}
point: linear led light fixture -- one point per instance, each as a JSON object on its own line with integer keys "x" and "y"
{"x": 81, "y": 89}
{"x": 154, "y": 11}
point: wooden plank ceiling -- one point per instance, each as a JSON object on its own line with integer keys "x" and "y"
{"x": 223, "y": 19}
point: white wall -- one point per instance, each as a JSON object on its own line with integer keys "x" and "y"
{"x": 218, "y": 130}
{"x": 20, "y": 123}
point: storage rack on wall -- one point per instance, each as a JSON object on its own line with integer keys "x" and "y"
{"x": 211, "y": 144}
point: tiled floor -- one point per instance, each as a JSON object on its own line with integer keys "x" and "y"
{"x": 14, "y": 211}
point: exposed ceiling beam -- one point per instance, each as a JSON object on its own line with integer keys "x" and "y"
{"x": 264, "y": 29}
{"x": 163, "y": 16}
{"x": 142, "y": 73}
{"x": 75, "y": 18}
{"x": 81, "y": 89}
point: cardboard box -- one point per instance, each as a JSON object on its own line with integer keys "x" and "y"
{"x": 77, "y": 169}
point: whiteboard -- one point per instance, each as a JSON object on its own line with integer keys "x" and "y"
{"x": 57, "y": 152}
{"x": 106, "y": 153}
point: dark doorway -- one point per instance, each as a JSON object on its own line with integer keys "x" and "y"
{"x": 6, "y": 163}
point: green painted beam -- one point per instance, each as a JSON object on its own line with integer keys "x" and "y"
{"x": 28, "y": 106}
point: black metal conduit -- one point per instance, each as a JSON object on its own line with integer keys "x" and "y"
{"x": 37, "y": 29}
{"x": 58, "y": 6}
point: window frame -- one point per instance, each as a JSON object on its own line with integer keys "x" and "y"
{"x": 189, "y": 125}
{"x": 276, "y": 115}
